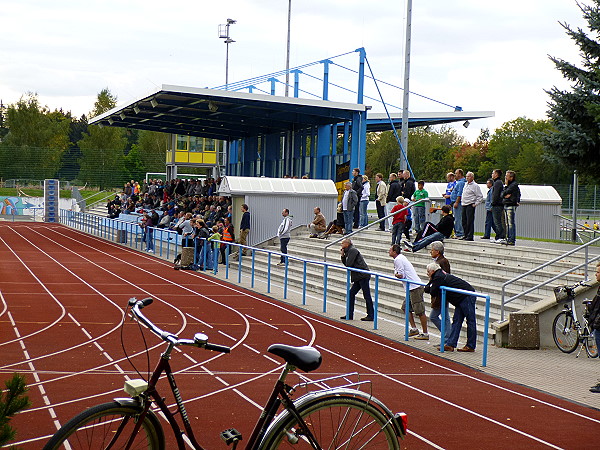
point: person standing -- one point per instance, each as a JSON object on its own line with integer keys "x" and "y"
{"x": 349, "y": 204}
{"x": 497, "y": 206}
{"x": 489, "y": 216}
{"x": 364, "y": 201}
{"x": 394, "y": 191}
{"x": 471, "y": 197}
{"x": 357, "y": 186}
{"x": 449, "y": 187}
{"x": 464, "y": 306}
{"x": 244, "y": 227}
{"x": 437, "y": 253}
{"x": 147, "y": 227}
{"x": 404, "y": 270}
{"x": 419, "y": 210}
{"x": 408, "y": 185}
{"x": 511, "y": 196}
{"x": 594, "y": 321}
{"x": 398, "y": 220}
{"x": 455, "y": 197}
{"x": 318, "y": 225}
{"x": 228, "y": 236}
{"x": 351, "y": 257}
{"x": 380, "y": 202}
{"x": 283, "y": 233}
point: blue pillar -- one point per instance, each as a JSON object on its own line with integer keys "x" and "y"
{"x": 296, "y": 73}
{"x": 233, "y": 158}
{"x": 249, "y": 156}
{"x": 323, "y": 152}
{"x": 250, "y": 89}
{"x": 273, "y": 81}
{"x": 326, "y": 63}
{"x": 361, "y": 74}
{"x": 271, "y": 155}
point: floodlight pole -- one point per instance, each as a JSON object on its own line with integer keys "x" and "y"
{"x": 287, "y": 57}
{"x": 225, "y": 35}
{"x": 404, "y": 132}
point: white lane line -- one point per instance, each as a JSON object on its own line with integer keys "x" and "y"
{"x": 294, "y": 336}
{"x": 262, "y": 321}
{"x": 440, "y": 399}
{"x": 251, "y": 348}
{"x": 248, "y": 399}
{"x": 271, "y": 359}
{"x": 4, "y": 305}
{"x": 200, "y": 321}
{"x": 36, "y": 377}
{"x": 440, "y": 366}
{"x": 227, "y": 336}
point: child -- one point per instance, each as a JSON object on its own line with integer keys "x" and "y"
{"x": 419, "y": 210}
{"x": 214, "y": 248}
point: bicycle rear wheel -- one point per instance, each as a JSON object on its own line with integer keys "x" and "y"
{"x": 336, "y": 422}
{"x": 565, "y": 336}
{"x": 108, "y": 425}
{"x": 590, "y": 343}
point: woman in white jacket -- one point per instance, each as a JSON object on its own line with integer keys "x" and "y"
{"x": 364, "y": 202}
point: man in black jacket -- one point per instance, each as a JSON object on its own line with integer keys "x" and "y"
{"x": 439, "y": 232}
{"x": 357, "y": 186}
{"x": 351, "y": 257}
{"x": 594, "y": 319}
{"x": 497, "y": 206}
{"x": 511, "y": 196}
{"x": 408, "y": 185}
{"x": 464, "y": 306}
{"x": 394, "y": 191}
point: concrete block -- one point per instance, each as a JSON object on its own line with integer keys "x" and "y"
{"x": 187, "y": 256}
{"x": 524, "y": 330}
{"x": 121, "y": 236}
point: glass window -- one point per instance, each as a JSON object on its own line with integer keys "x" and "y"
{"x": 182, "y": 142}
{"x": 196, "y": 144}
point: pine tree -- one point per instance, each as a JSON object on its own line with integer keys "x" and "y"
{"x": 12, "y": 400}
{"x": 575, "y": 113}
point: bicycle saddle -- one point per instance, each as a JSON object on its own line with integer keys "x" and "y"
{"x": 305, "y": 358}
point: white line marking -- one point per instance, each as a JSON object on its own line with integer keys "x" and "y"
{"x": 262, "y": 321}
{"x": 294, "y": 336}
{"x": 271, "y": 359}
{"x": 250, "y": 348}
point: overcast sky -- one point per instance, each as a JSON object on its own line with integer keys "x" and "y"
{"x": 479, "y": 54}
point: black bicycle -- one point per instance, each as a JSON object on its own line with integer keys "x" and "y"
{"x": 567, "y": 332}
{"x": 328, "y": 418}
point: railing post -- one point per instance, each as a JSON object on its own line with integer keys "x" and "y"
{"x": 347, "y": 294}
{"x": 304, "y": 284}
{"x": 443, "y": 324}
{"x": 376, "y": 305}
{"x": 485, "y": 330}
{"x": 253, "y": 262}
{"x": 269, "y": 273}
{"x": 325, "y": 270}
{"x": 407, "y": 311}
{"x": 285, "y": 279}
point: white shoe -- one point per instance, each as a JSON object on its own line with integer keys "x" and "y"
{"x": 422, "y": 336}
{"x": 500, "y": 241}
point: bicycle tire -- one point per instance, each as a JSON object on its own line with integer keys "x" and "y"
{"x": 335, "y": 422}
{"x": 590, "y": 343}
{"x": 565, "y": 336}
{"x": 95, "y": 427}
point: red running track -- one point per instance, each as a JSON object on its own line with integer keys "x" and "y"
{"x": 62, "y": 295}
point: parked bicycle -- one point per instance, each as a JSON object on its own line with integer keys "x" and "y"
{"x": 567, "y": 332}
{"x": 328, "y": 418}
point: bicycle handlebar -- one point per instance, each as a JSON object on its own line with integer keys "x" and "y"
{"x": 200, "y": 339}
{"x": 569, "y": 289}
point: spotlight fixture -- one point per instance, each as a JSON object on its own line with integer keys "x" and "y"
{"x": 212, "y": 107}
{"x": 154, "y": 103}
{"x": 122, "y": 116}
{"x": 466, "y": 124}
{"x": 136, "y": 110}
{"x": 110, "y": 121}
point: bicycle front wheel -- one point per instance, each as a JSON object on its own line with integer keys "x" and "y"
{"x": 108, "y": 425}
{"x": 590, "y": 343}
{"x": 565, "y": 336}
{"x": 337, "y": 422}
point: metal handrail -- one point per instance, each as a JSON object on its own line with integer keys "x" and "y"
{"x": 360, "y": 230}
{"x": 585, "y": 264}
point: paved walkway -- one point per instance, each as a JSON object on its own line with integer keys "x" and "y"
{"x": 548, "y": 370}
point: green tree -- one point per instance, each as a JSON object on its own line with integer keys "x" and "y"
{"x": 382, "y": 153}
{"x": 431, "y": 151}
{"x": 102, "y": 162}
{"x": 519, "y": 145}
{"x": 36, "y": 140}
{"x": 575, "y": 113}
{"x": 12, "y": 400}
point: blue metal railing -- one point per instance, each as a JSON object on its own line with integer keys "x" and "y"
{"x": 206, "y": 260}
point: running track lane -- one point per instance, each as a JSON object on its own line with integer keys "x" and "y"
{"x": 61, "y": 299}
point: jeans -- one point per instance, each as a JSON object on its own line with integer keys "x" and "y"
{"x": 363, "y": 284}
{"x": 283, "y": 243}
{"x": 437, "y": 236}
{"x": 489, "y": 224}
{"x": 434, "y": 316}
{"x": 149, "y": 239}
{"x": 348, "y": 218}
{"x": 498, "y": 214}
{"x": 388, "y": 209}
{"x": 458, "y": 228}
{"x": 419, "y": 218}
{"x": 357, "y": 215}
{"x": 364, "y": 220}
{"x": 511, "y": 230}
{"x": 597, "y": 337}
{"x": 380, "y": 214}
{"x": 464, "y": 310}
{"x": 397, "y": 232}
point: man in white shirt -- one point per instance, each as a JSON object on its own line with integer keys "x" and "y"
{"x": 471, "y": 197}
{"x": 403, "y": 269}
{"x": 283, "y": 233}
{"x": 380, "y": 202}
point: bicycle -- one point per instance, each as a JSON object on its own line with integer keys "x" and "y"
{"x": 331, "y": 417}
{"x": 567, "y": 332}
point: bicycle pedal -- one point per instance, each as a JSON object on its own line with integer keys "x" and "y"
{"x": 231, "y": 435}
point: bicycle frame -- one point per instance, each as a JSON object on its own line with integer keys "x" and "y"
{"x": 278, "y": 396}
